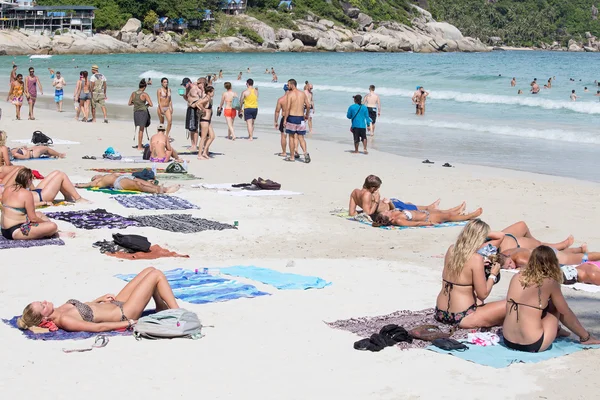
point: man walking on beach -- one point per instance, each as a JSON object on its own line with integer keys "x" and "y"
{"x": 358, "y": 114}
{"x": 311, "y": 100}
{"x": 249, "y": 100}
{"x": 31, "y": 84}
{"x": 280, "y": 123}
{"x": 192, "y": 124}
{"x": 98, "y": 88}
{"x": 295, "y": 115}
{"x": 58, "y": 82}
{"x": 373, "y": 104}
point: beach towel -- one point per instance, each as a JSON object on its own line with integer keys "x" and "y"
{"x": 42, "y": 158}
{"x": 182, "y": 223}
{"x": 359, "y": 218}
{"x": 54, "y": 141}
{"x": 180, "y": 177}
{"x": 195, "y": 153}
{"x": 259, "y": 193}
{"x": 155, "y": 202}
{"x": 584, "y": 287}
{"x": 121, "y": 170}
{"x": 501, "y": 356}
{"x": 23, "y": 244}
{"x": 155, "y": 252}
{"x": 61, "y": 334}
{"x": 215, "y": 186}
{"x": 203, "y": 288}
{"x": 281, "y": 280}
{"x": 111, "y": 191}
{"x": 366, "y": 326}
{"x": 93, "y": 219}
{"x": 127, "y": 159}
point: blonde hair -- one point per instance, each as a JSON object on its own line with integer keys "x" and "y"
{"x": 30, "y": 318}
{"x": 542, "y": 264}
{"x": 468, "y": 242}
{"x": 498, "y": 258}
{"x": 3, "y": 138}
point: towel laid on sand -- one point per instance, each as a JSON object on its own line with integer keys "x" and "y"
{"x": 155, "y": 202}
{"x": 228, "y": 189}
{"x": 93, "y": 219}
{"x": 54, "y": 141}
{"x": 36, "y": 159}
{"x": 61, "y": 334}
{"x": 281, "y": 280}
{"x": 155, "y": 252}
{"x": 111, "y": 191}
{"x": 121, "y": 170}
{"x": 584, "y": 287}
{"x": 366, "y": 326}
{"x": 182, "y": 223}
{"x": 215, "y": 186}
{"x": 361, "y": 218}
{"x": 23, "y": 244}
{"x": 177, "y": 177}
{"x": 202, "y": 288}
{"x": 500, "y": 356}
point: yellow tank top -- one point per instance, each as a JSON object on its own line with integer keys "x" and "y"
{"x": 251, "y": 101}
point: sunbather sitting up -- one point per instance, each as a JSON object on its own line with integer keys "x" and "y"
{"x": 160, "y": 147}
{"x": 106, "y": 313}
{"x": 47, "y": 190}
{"x": 126, "y": 182}
{"x": 369, "y": 200}
{"x": 25, "y": 153}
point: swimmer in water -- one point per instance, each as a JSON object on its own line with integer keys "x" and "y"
{"x": 513, "y": 82}
{"x": 573, "y": 95}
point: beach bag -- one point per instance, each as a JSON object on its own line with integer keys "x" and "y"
{"x": 39, "y": 137}
{"x": 169, "y": 324}
{"x": 132, "y": 242}
{"x": 428, "y": 333}
{"x": 235, "y": 103}
{"x": 146, "y": 155}
{"x": 266, "y": 184}
{"x": 145, "y": 174}
{"x": 175, "y": 168}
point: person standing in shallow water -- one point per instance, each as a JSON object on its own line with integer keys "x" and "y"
{"x": 373, "y": 104}
{"x": 140, "y": 100}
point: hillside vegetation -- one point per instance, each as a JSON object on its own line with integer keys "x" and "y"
{"x": 520, "y": 22}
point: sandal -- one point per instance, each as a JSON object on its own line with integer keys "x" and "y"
{"x": 307, "y": 158}
{"x": 88, "y": 157}
{"x": 447, "y": 165}
{"x": 428, "y": 162}
{"x": 101, "y": 341}
{"x": 289, "y": 159}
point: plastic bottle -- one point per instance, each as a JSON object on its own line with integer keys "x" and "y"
{"x": 154, "y": 168}
{"x": 185, "y": 166}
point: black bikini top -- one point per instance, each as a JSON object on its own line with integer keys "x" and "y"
{"x": 515, "y": 306}
{"x": 448, "y": 286}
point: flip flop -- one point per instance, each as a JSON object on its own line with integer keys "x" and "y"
{"x": 447, "y": 165}
{"x": 428, "y": 162}
{"x": 307, "y": 158}
{"x": 88, "y": 157}
{"x": 289, "y": 159}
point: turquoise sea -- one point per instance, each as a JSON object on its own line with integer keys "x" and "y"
{"x": 473, "y": 114}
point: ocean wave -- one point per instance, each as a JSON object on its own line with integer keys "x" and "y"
{"x": 505, "y": 130}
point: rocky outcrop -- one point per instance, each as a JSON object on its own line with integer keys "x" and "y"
{"x": 133, "y": 25}
{"x": 228, "y": 45}
{"x": 264, "y": 31}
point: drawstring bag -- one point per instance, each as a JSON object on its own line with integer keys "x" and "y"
{"x": 132, "y": 242}
{"x": 175, "y": 168}
{"x": 40, "y": 138}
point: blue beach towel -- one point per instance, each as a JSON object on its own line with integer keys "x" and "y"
{"x": 61, "y": 334}
{"x": 500, "y": 356}
{"x": 281, "y": 280}
{"x": 202, "y": 288}
{"x": 44, "y": 157}
{"x": 345, "y": 215}
{"x": 155, "y": 202}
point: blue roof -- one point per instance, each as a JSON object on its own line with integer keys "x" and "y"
{"x": 286, "y": 2}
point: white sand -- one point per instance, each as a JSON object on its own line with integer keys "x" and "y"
{"x": 277, "y": 347}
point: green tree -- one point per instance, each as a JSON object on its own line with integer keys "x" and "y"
{"x": 150, "y": 20}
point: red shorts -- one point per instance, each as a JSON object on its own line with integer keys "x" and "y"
{"x": 230, "y": 113}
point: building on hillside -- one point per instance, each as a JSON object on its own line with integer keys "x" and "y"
{"x": 180, "y": 25}
{"x": 45, "y": 20}
{"x": 286, "y": 5}
{"x": 233, "y": 7}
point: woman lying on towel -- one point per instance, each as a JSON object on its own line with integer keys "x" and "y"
{"x": 535, "y": 305}
{"x": 19, "y": 221}
{"x": 519, "y": 258}
{"x": 25, "y": 153}
{"x": 369, "y": 200}
{"x": 464, "y": 284}
{"x": 47, "y": 190}
{"x": 421, "y": 217}
{"x": 518, "y": 235}
{"x": 106, "y": 313}
{"x": 126, "y": 182}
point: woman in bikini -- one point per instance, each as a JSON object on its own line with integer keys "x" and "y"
{"x": 421, "y": 217}
{"x": 518, "y": 236}
{"x": 4, "y": 151}
{"x": 228, "y": 111}
{"x": 464, "y": 285}
{"x": 26, "y": 153}
{"x": 19, "y": 220}
{"x": 207, "y": 134}
{"x": 519, "y": 258}
{"x": 535, "y": 305}
{"x": 165, "y": 104}
{"x": 15, "y": 95}
{"x": 47, "y": 190}
{"x": 106, "y": 313}
{"x": 85, "y": 96}
{"x": 76, "y": 96}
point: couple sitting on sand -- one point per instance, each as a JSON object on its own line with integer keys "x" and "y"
{"x": 534, "y": 304}
{"x": 385, "y": 212}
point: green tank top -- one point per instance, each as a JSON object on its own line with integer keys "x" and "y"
{"x": 138, "y": 103}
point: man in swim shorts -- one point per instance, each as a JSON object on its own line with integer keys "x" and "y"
{"x": 58, "y": 82}
{"x": 126, "y": 182}
{"x": 295, "y": 114}
{"x": 249, "y": 100}
{"x": 279, "y": 123}
{"x": 373, "y": 103}
{"x": 359, "y": 116}
{"x": 98, "y": 88}
{"x": 160, "y": 147}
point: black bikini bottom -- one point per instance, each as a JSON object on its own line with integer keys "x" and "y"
{"x": 529, "y": 348}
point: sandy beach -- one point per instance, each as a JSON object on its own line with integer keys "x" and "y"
{"x": 278, "y": 346}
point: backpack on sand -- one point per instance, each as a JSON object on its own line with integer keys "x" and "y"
{"x": 40, "y": 138}
{"x": 169, "y": 324}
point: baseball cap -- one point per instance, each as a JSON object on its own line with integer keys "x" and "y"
{"x": 418, "y": 87}
{"x": 161, "y": 127}
{"x": 285, "y": 87}
{"x": 94, "y": 67}
{"x": 185, "y": 81}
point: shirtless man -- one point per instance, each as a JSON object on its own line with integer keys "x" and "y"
{"x": 373, "y": 104}
{"x": 573, "y": 95}
{"x": 535, "y": 88}
{"x": 369, "y": 200}
{"x": 229, "y": 112}
{"x": 295, "y": 114}
{"x": 279, "y": 123}
{"x": 239, "y": 78}
{"x": 513, "y": 82}
{"x": 311, "y": 100}
{"x": 126, "y": 182}
{"x": 419, "y": 100}
{"x": 192, "y": 121}
{"x": 160, "y": 147}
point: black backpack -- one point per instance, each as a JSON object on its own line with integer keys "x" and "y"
{"x": 132, "y": 242}
{"x": 40, "y": 138}
{"x": 147, "y": 153}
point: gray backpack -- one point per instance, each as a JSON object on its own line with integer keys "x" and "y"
{"x": 169, "y": 324}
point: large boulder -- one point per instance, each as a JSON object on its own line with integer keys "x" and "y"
{"x": 574, "y": 46}
{"x": 284, "y": 33}
{"x": 590, "y": 49}
{"x": 444, "y": 30}
{"x": 327, "y": 23}
{"x": 269, "y": 45}
{"x": 285, "y": 44}
{"x": 372, "y": 48}
{"x": 228, "y": 44}
{"x": 327, "y": 44}
{"x": 296, "y": 45}
{"x": 359, "y": 40}
{"x": 308, "y": 36}
{"x": 347, "y": 47}
{"x": 352, "y": 12}
{"x": 133, "y": 25}
{"x": 264, "y": 31}
{"x": 363, "y": 21}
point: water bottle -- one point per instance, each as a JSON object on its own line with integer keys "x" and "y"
{"x": 185, "y": 166}
{"x": 154, "y": 169}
